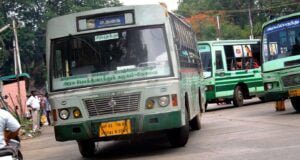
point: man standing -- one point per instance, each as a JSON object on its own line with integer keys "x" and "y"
{"x": 48, "y": 108}
{"x": 10, "y": 124}
{"x": 33, "y": 102}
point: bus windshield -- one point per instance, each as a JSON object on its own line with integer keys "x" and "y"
{"x": 205, "y": 54}
{"x": 282, "y": 39}
{"x": 109, "y": 57}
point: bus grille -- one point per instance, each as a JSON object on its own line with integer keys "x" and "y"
{"x": 291, "y": 80}
{"x": 112, "y": 105}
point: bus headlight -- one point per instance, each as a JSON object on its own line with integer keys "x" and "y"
{"x": 150, "y": 104}
{"x": 64, "y": 114}
{"x": 164, "y": 101}
{"x": 77, "y": 113}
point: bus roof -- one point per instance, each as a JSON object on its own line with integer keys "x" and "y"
{"x": 64, "y": 25}
{"x": 230, "y": 42}
{"x": 108, "y": 10}
{"x": 281, "y": 18}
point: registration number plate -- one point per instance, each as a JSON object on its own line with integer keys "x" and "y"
{"x": 294, "y": 92}
{"x": 115, "y": 128}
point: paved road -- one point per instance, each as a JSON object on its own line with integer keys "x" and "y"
{"x": 255, "y": 131}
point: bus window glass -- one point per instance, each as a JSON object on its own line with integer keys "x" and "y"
{"x": 205, "y": 54}
{"x": 219, "y": 61}
{"x": 102, "y": 58}
{"x": 240, "y": 57}
{"x": 282, "y": 39}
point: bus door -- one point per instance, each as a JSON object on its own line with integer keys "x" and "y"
{"x": 219, "y": 63}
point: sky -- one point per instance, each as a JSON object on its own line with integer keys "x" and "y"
{"x": 172, "y": 4}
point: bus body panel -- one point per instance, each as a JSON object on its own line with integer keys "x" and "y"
{"x": 143, "y": 120}
{"x": 222, "y": 82}
{"x": 90, "y": 99}
{"x": 280, "y": 52}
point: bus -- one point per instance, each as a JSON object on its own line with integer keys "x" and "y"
{"x": 232, "y": 70}
{"x": 281, "y": 59}
{"x": 122, "y": 72}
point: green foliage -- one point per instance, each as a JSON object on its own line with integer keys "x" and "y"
{"x": 234, "y": 15}
{"x": 207, "y": 32}
{"x": 35, "y": 14}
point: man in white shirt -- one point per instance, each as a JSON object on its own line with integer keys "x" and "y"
{"x": 9, "y": 123}
{"x": 33, "y": 102}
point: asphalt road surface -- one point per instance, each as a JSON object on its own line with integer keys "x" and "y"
{"x": 255, "y": 131}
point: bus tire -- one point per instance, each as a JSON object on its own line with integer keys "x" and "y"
{"x": 296, "y": 103}
{"x": 86, "y": 148}
{"x": 196, "y": 122}
{"x": 262, "y": 99}
{"x": 205, "y": 108}
{"x": 178, "y": 137}
{"x": 238, "y": 96}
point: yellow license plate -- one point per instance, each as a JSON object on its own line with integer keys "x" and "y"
{"x": 294, "y": 92}
{"x": 115, "y": 128}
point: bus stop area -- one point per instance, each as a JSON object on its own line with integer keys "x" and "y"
{"x": 253, "y": 131}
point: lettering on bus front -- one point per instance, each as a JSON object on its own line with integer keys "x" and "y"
{"x": 108, "y": 77}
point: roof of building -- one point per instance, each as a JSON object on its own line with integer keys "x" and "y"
{"x": 13, "y": 78}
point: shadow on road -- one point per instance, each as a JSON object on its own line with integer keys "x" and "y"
{"x": 138, "y": 148}
{"x": 230, "y": 106}
{"x": 290, "y": 113}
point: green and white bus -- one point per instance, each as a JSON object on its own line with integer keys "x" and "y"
{"x": 281, "y": 59}
{"x": 117, "y": 73}
{"x": 232, "y": 70}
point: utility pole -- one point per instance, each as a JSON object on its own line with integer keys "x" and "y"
{"x": 250, "y": 20}
{"x": 4, "y": 28}
{"x": 218, "y": 28}
{"x": 17, "y": 61}
{"x": 18, "y": 69}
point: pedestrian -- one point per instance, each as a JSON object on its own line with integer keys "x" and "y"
{"x": 48, "y": 108}
{"x": 33, "y": 103}
{"x": 9, "y": 128}
{"x": 42, "y": 113}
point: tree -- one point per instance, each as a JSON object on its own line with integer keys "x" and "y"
{"x": 35, "y": 14}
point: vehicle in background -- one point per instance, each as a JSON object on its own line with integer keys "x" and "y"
{"x": 281, "y": 59}
{"x": 116, "y": 73}
{"x": 232, "y": 70}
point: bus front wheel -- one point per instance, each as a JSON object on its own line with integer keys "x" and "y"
{"x": 238, "y": 97}
{"x": 178, "y": 137}
{"x": 296, "y": 103}
{"x": 86, "y": 148}
{"x": 196, "y": 122}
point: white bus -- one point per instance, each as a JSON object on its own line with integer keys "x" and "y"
{"x": 119, "y": 72}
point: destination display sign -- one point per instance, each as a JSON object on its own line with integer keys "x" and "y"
{"x": 283, "y": 25}
{"x": 104, "y": 21}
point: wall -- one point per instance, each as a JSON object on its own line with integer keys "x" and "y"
{"x": 11, "y": 90}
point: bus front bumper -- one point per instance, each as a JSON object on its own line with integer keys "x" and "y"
{"x": 89, "y": 130}
{"x": 276, "y": 96}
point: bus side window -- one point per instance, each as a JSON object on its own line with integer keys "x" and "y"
{"x": 219, "y": 61}
{"x": 256, "y": 56}
{"x": 229, "y": 53}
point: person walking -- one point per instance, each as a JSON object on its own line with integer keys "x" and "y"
{"x": 47, "y": 108}
{"x": 33, "y": 103}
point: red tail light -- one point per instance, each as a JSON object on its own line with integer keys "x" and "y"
{"x": 174, "y": 100}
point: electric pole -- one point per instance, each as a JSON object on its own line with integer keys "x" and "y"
{"x": 250, "y": 20}
{"x": 18, "y": 68}
{"x": 218, "y": 28}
